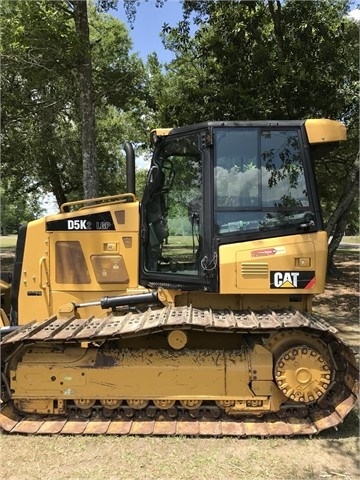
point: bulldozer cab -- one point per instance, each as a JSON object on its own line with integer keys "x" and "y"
{"x": 221, "y": 183}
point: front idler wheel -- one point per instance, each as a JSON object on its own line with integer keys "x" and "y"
{"x": 302, "y": 374}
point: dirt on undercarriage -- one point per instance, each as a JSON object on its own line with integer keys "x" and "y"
{"x": 331, "y": 455}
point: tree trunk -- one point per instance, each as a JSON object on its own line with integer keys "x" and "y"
{"x": 349, "y": 193}
{"x": 55, "y": 181}
{"x": 284, "y": 106}
{"x": 336, "y": 225}
{"x": 332, "y": 269}
{"x": 87, "y": 110}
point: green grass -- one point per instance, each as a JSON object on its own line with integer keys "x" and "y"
{"x": 8, "y": 241}
{"x": 352, "y": 239}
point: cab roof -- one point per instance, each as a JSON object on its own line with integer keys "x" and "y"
{"x": 318, "y": 130}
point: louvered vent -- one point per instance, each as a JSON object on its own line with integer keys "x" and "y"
{"x": 254, "y": 270}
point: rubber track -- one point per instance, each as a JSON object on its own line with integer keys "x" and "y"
{"x": 72, "y": 330}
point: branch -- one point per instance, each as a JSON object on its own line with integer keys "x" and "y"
{"x": 276, "y": 18}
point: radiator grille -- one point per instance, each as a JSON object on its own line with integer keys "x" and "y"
{"x": 252, "y": 270}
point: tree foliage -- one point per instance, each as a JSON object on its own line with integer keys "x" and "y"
{"x": 17, "y": 211}
{"x": 261, "y": 60}
{"x": 41, "y": 115}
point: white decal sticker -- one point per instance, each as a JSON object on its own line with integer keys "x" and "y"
{"x": 78, "y": 225}
{"x": 286, "y": 279}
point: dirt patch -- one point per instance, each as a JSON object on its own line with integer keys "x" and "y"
{"x": 136, "y": 458}
{"x": 339, "y": 304}
{"x": 7, "y": 256}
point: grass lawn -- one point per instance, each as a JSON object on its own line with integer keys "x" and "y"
{"x": 8, "y": 241}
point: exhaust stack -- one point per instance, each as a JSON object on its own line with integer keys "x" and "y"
{"x": 130, "y": 167}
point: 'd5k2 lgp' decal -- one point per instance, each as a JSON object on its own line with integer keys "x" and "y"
{"x": 92, "y": 221}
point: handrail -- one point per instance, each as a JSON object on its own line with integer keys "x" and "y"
{"x": 43, "y": 266}
{"x": 94, "y": 202}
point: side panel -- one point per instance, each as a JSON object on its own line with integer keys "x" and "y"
{"x": 295, "y": 264}
{"x": 72, "y": 257}
{"x": 31, "y": 278}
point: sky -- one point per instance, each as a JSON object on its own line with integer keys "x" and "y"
{"x": 355, "y": 14}
{"x": 148, "y": 24}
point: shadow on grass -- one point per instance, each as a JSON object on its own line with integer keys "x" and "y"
{"x": 349, "y": 428}
{"x": 335, "y": 440}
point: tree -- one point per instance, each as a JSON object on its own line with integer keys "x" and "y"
{"x": 255, "y": 60}
{"x": 87, "y": 108}
{"x": 340, "y": 197}
{"x": 41, "y": 146}
{"x": 86, "y": 99}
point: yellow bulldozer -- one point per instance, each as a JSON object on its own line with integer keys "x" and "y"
{"x": 188, "y": 313}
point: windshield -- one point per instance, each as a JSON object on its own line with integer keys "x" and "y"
{"x": 259, "y": 181}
